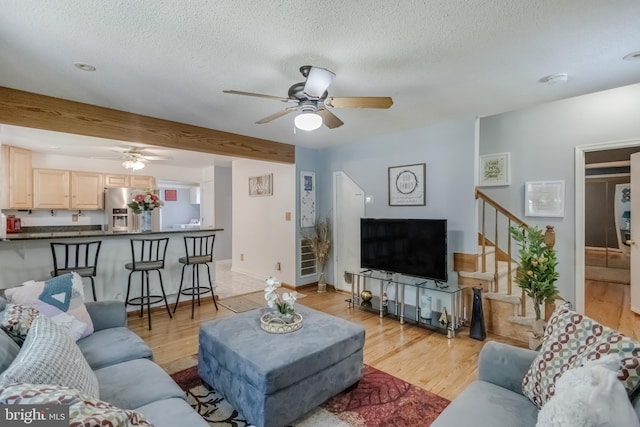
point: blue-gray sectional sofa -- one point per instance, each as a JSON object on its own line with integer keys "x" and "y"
{"x": 122, "y": 362}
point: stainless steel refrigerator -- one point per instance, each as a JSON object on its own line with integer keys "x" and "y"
{"x": 119, "y": 218}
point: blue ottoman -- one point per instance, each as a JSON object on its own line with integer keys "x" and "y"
{"x": 274, "y": 379}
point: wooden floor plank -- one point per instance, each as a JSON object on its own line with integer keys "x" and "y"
{"x": 420, "y": 356}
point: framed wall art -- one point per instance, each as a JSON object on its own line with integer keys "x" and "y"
{"x": 261, "y": 185}
{"x": 544, "y": 198}
{"x": 495, "y": 169}
{"x": 407, "y": 185}
{"x": 307, "y": 199}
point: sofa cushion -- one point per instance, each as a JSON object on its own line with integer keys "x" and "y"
{"x": 136, "y": 383}
{"x": 590, "y": 395}
{"x": 569, "y": 341}
{"x": 486, "y": 404}
{"x": 111, "y": 346}
{"x": 8, "y": 351}
{"x": 17, "y": 320}
{"x": 50, "y": 356}
{"x": 171, "y": 413}
{"x": 84, "y": 410}
{"x": 61, "y": 298}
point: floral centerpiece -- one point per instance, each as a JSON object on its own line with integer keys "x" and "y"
{"x": 284, "y": 305}
{"x": 284, "y": 318}
{"x": 146, "y": 201}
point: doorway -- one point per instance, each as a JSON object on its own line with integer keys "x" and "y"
{"x": 602, "y": 173}
{"x": 348, "y": 208}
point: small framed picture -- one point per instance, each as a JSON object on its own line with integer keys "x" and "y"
{"x": 544, "y": 198}
{"x": 407, "y": 185}
{"x": 261, "y": 185}
{"x": 495, "y": 169}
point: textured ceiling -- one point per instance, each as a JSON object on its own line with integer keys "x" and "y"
{"x": 438, "y": 59}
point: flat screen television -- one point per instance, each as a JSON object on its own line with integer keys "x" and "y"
{"x": 414, "y": 247}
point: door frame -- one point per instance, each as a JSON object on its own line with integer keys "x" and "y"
{"x": 337, "y": 277}
{"x": 580, "y": 207}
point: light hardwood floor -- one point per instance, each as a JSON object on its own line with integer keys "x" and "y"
{"x": 609, "y": 304}
{"x": 419, "y": 356}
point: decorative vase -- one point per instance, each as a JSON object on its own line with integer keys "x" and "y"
{"x": 146, "y": 221}
{"x": 425, "y": 306}
{"x": 322, "y": 284}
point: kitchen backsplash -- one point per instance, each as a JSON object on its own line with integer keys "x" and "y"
{"x": 43, "y": 218}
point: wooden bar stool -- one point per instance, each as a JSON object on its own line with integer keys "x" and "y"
{"x": 79, "y": 257}
{"x": 147, "y": 255}
{"x": 199, "y": 252}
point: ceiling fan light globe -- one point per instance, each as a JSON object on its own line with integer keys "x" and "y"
{"x": 133, "y": 164}
{"x": 308, "y": 121}
{"x": 317, "y": 82}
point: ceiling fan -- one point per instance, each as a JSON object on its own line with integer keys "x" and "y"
{"x": 311, "y": 100}
{"x": 135, "y": 158}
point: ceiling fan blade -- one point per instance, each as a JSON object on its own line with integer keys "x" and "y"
{"x": 329, "y": 119}
{"x": 360, "y": 102}
{"x": 274, "y": 116}
{"x": 317, "y": 82}
{"x": 259, "y": 95}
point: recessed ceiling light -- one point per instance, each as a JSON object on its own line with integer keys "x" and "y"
{"x": 555, "y": 79}
{"x": 84, "y": 66}
{"x": 632, "y": 56}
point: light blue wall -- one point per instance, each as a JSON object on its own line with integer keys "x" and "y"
{"x": 180, "y": 211}
{"x": 224, "y": 217}
{"x": 542, "y": 141}
{"x": 447, "y": 149}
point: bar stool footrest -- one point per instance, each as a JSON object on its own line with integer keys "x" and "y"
{"x": 152, "y": 299}
{"x": 198, "y": 290}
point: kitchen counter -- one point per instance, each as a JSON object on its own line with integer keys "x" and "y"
{"x": 27, "y": 256}
{"x": 100, "y": 233}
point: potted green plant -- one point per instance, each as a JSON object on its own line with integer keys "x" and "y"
{"x": 320, "y": 244}
{"x": 537, "y": 272}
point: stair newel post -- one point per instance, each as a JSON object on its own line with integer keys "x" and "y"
{"x": 509, "y": 258}
{"x": 550, "y": 241}
{"x": 484, "y": 251}
{"x": 550, "y": 237}
{"x": 496, "y": 288}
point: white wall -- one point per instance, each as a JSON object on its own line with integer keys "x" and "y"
{"x": 542, "y": 141}
{"x": 260, "y": 231}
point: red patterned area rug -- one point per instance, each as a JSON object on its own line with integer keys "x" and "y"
{"x": 378, "y": 400}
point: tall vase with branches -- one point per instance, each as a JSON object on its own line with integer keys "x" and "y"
{"x": 319, "y": 242}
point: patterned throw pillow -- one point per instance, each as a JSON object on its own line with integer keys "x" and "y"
{"x": 17, "y": 320}
{"x": 60, "y": 298}
{"x": 83, "y": 410}
{"x": 569, "y": 341}
{"x": 49, "y": 355}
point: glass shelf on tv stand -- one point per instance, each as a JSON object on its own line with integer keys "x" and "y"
{"x": 397, "y": 308}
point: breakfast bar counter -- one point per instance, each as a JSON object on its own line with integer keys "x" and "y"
{"x": 27, "y": 256}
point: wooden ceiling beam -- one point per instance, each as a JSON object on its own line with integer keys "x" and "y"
{"x": 32, "y": 110}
